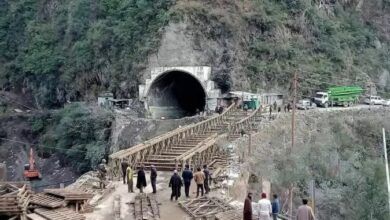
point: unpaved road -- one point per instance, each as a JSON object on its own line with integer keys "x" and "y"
{"x": 169, "y": 210}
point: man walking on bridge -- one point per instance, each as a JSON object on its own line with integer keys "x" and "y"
{"x": 199, "y": 179}
{"x": 175, "y": 183}
{"x": 206, "y": 179}
{"x": 124, "y": 166}
{"x": 141, "y": 179}
{"x": 153, "y": 178}
{"x": 187, "y": 177}
{"x": 129, "y": 177}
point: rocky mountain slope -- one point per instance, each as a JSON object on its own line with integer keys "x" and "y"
{"x": 72, "y": 50}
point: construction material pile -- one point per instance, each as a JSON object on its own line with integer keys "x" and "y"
{"x": 18, "y": 202}
{"x": 89, "y": 182}
{"x": 14, "y": 198}
{"x": 205, "y": 207}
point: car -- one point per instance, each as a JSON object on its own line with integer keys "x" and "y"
{"x": 305, "y": 104}
{"x": 374, "y": 100}
{"x": 386, "y": 103}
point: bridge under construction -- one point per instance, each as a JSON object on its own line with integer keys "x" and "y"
{"x": 194, "y": 144}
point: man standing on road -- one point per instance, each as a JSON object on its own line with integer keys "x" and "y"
{"x": 153, "y": 178}
{"x": 187, "y": 177}
{"x": 141, "y": 179}
{"x": 248, "y": 213}
{"x": 102, "y": 174}
{"x": 275, "y": 207}
{"x": 129, "y": 175}
{"x": 206, "y": 179}
{"x": 175, "y": 183}
{"x": 305, "y": 212}
{"x": 264, "y": 208}
{"x": 199, "y": 179}
{"x": 124, "y": 166}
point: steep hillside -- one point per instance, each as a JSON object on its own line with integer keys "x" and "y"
{"x": 71, "y": 50}
{"x": 342, "y": 151}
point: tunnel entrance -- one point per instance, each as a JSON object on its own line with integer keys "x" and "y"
{"x": 176, "y": 94}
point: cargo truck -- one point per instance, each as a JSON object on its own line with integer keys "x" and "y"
{"x": 338, "y": 96}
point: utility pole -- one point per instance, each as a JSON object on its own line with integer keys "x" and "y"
{"x": 291, "y": 188}
{"x": 387, "y": 165}
{"x": 293, "y": 111}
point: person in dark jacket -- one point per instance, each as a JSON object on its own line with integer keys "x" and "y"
{"x": 141, "y": 179}
{"x": 175, "y": 183}
{"x": 248, "y": 213}
{"x": 187, "y": 177}
{"x": 275, "y": 207}
{"x": 153, "y": 178}
{"x": 124, "y": 166}
{"x": 206, "y": 179}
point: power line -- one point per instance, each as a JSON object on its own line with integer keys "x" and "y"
{"x": 38, "y": 145}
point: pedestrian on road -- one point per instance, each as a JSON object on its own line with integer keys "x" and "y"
{"x": 199, "y": 179}
{"x": 175, "y": 183}
{"x": 141, "y": 179}
{"x": 129, "y": 175}
{"x": 248, "y": 213}
{"x": 206, "y": 179}
{"x": 264, "y": 208}
{"x": 275, "y": 106}
{"x": 124, "y": 166}
{"x": 305, "y": 212}
{"x": 288, "y": 107}
{"x": 270, "y": 112}
{"x": 275, "y": 207}
{"x": 187, "y": 177}
{"x": 153, "y": 178}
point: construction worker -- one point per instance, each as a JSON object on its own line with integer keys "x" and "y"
{"x": 102, "y": 174}
{"x": 153, "y": 178}
{"x": 199, "y": 179}
{"x": 187, "y": 177}
{"x": 124, "y": 166}
{"x": 206, "y": 179}
{"x": 141, "y": 179}
{"x": 129, "y": 177}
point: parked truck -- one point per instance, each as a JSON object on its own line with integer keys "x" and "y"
{"x": 338, "y": 96}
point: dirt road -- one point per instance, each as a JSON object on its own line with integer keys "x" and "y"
{"x": 169, "y": 210}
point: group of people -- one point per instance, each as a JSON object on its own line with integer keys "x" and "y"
{"x": 201, "y": 178}
{"x": 128, "y": 173}
{"x": 265, "y": 209}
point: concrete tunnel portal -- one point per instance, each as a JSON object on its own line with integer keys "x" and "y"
{"x": 176, "y": 94}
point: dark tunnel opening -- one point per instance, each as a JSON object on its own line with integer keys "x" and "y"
{"x": 176, "y": 94}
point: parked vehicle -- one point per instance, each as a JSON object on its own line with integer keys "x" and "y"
{"x": 338, "y": 96}
{"x": 305, "y": 104}
{"x": 386, "y": 103}
{"x": 374, "y": 100}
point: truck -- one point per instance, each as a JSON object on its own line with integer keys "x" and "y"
{"x": 338, "y": 96}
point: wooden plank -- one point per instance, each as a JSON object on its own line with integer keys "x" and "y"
{"x": 34, "y": 216}
{"x": 59, "y": 214}
{"x": 47, "y": 200}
